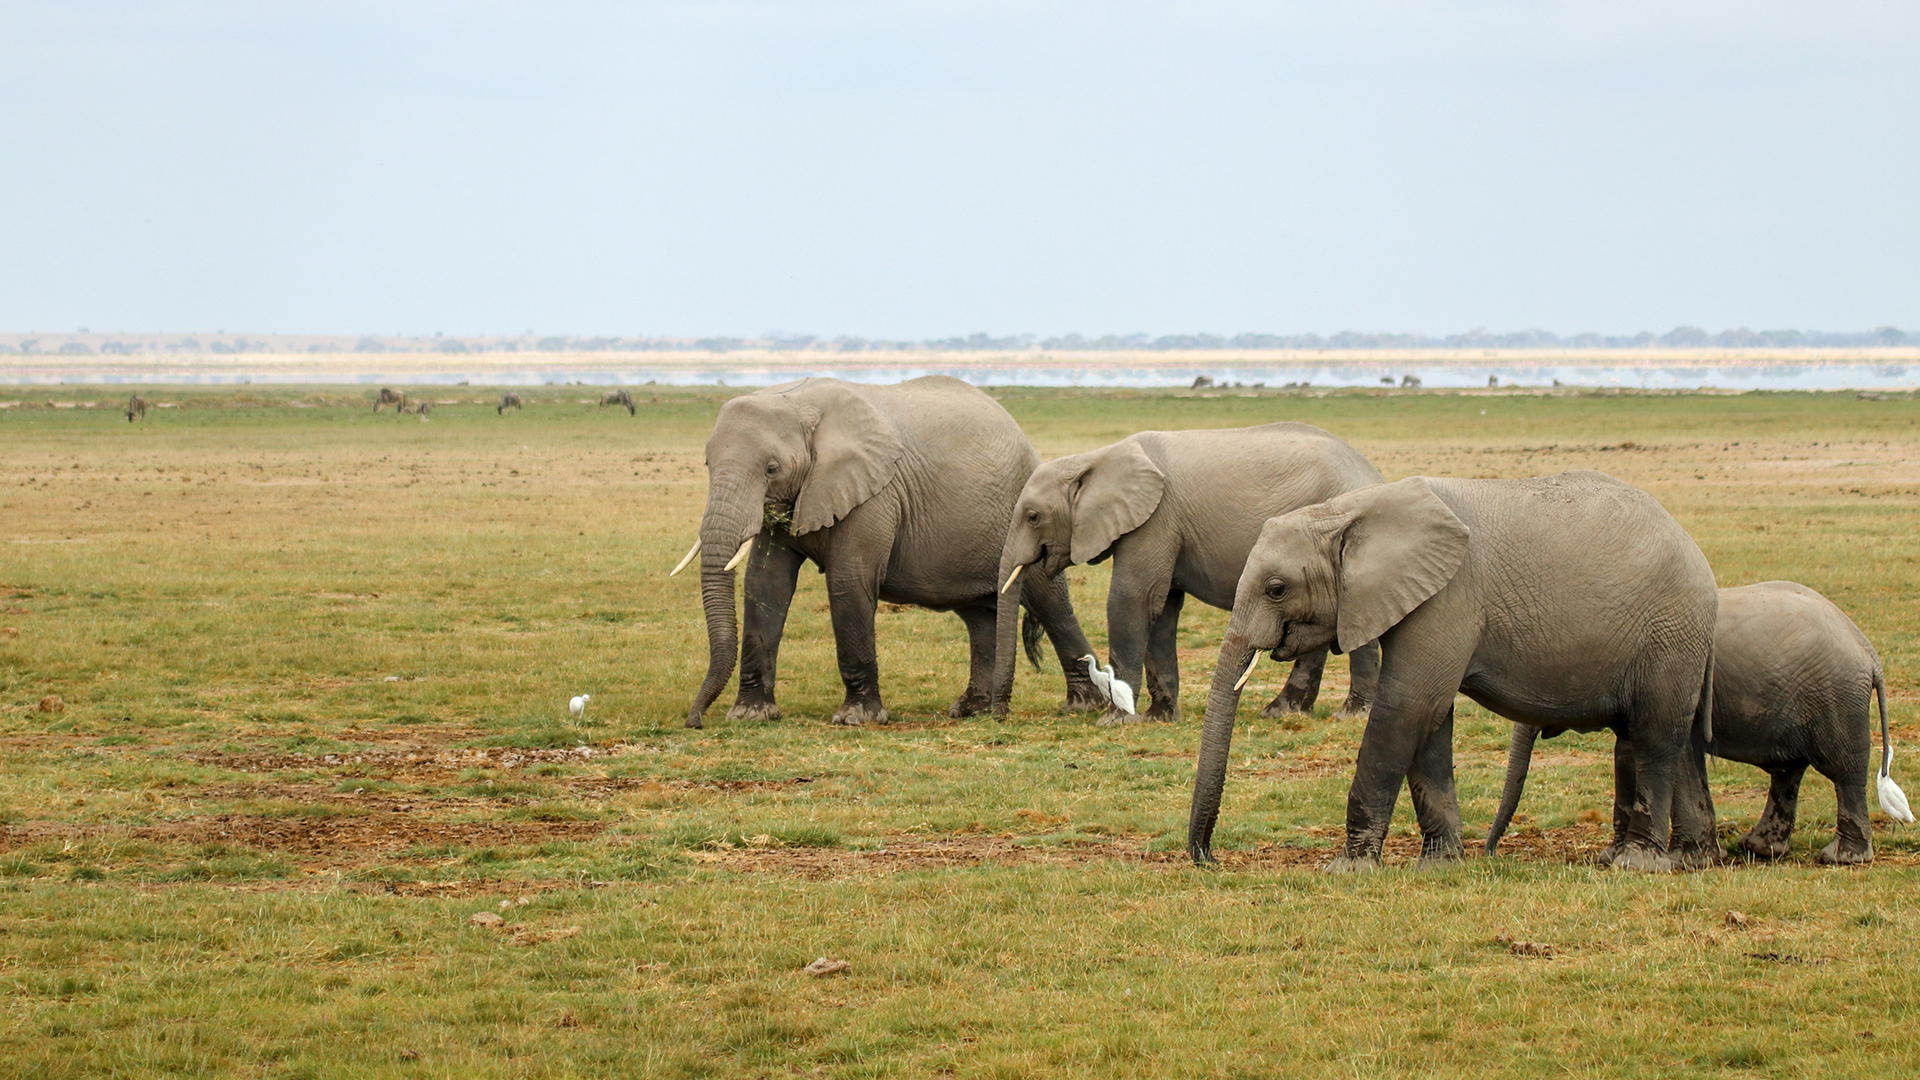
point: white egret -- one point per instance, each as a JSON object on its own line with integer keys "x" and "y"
{"x": 1892, "y": 799}
{"x": 1105, "y": 681}
{"x": 578, "y": 706}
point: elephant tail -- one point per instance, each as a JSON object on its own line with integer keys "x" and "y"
{"x": 1893, "y": 801}
{"x": 1030, "y": 631}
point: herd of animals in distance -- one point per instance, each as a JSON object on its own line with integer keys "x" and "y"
{"x": 1561, "y": 603}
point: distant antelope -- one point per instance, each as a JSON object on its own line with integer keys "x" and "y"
{"x": 136, "y": 408}
{"x": 617, "y": 397}
{"x": 390, "y": 397}
{"x": 507, "y": 401}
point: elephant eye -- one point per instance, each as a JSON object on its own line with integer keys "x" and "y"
{"x": 1033, "y": 517}
{"x": 772, "y": 467}
{"x": 1276, "y": 590}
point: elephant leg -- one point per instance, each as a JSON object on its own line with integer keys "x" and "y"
{"x": 980, "y": 639}
{"x": 853, "y": 596}
{"x": 1853, "y": 840}
{"x": 1131, "y": 602}
{"x": 1365, "y": 681}
{"x": 1772, "y": 836}
{"x": 1163, "y": 659}
{"x": 1650, "y": 817}
{"x": 1397, "y": 732}
{"x": 772, "y": 571}
{"x": 1693, "y": 843}
{"x": 1435, "y": 802}
{"x": 1625, "y": 791}
{"x": 1049, "y": 601}
{"x": 1302, "y": 688}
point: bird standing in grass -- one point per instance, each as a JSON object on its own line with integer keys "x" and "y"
{"x": 578, "y": 706}
{"x": 1104, "y": 680}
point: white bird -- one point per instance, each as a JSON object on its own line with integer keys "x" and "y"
{"x": 1892, "y": 799}
{"x": 1105, "y": 681}
{"x": 578, "y": 706}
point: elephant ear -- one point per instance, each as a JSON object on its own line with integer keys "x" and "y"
{"x": 1119, "y": 488}
{"x": 856, "y": 451}
{"x": 1401, "y": 545}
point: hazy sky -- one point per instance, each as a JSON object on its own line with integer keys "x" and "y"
{"x": 907, "y": 169}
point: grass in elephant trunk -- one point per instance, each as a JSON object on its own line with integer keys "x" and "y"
{"x": 307, "y": 671}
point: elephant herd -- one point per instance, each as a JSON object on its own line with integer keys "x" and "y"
{"x": 1563, "y": 603}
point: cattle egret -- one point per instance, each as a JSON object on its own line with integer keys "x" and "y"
{"x": 578, "y": 706}
{"x": 739, "y": 556}
{"x": 1011, "y": 578}
{"x": 682, "y": 564}
{"x": 1105, "y": 681}
{"x": 1892, "y": 799}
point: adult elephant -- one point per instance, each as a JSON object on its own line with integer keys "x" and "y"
{"x": 1793, "y": 685}
{"x": 1177, "y": 512}
{"x": 1565, "y": 601}
{"x": 897, "y": 493}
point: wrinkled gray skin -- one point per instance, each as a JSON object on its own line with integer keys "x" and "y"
{"x": 507, "y": 401}
{"x": 1793, "y": 685}
{"x": 897, "y": 493}
{"x": 1570, "y": 601}
{"x": 1177, "y": 512}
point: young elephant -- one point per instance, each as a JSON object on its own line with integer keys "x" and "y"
{"x": 897, "y": 493}
{"x": 1793, "y": 683}
{"x": 1177, "y": 511}
{"x": 1565, "y": 601}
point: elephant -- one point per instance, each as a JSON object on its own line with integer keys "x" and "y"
{"x": 136, "y": 408}
{"x": 1177, "y": 512}
{"x": 1793, "y": 685}
{"x": 390, "y": 396}
{"x": 507, "y": 401}
{"x": 617, "y": 397}
{"x": 898, "y": 493}
{"x": 1564, "y": 601}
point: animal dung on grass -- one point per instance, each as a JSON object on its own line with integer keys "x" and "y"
{"x": 487, "y": 919}
{"x": 826, "y": 966}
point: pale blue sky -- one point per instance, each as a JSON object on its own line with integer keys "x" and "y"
{"x": 927, "y": 169}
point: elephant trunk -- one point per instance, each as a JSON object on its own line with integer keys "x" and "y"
{"x": 733, "y": 515}
{"x": 1519, "y": 759}
{"x": 1015, "y": 554}
{"x": 1216, "y": 738}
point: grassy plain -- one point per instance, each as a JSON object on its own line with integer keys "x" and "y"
{"x": 311, "y": 667}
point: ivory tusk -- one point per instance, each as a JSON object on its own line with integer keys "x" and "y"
{"x": 691, "y": 552}
{"x": 1013, "y": 577}
{"x": 1247, "y": 674}
{"x": 739, "y": 555}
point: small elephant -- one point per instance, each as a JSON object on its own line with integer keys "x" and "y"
{"x": 617, "y": 397}
{"x": 389, "y": 396}
{"x": 507, "y": 401}
{"x": 1793, "y": 683}
{"x": 897, "y": 493}
{"x": 1564, "y": 601}
{"x": 1177, "y": 512}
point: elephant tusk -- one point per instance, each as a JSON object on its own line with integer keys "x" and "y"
{"x": 739, "y": 555}
{"x": 1247, "y": 674}
{"x": 1011, "y": 578}
{"x": 691, "y": 552}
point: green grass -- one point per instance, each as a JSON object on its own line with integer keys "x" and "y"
{"x": 313, "y": 667}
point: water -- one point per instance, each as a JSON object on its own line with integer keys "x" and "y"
{"x": 398, "y": 370}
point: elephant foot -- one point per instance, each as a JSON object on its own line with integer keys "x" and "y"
{"x": 1116, "y": 718}
{"x": 857, "y": 714}
{"x": 1354, "y": 864}
{"x": 1644, "y": 860}
{"x": 1353, "y": 708}
{"x": 1765, "y": 847}
{"x": 1439, "y": 852}
{"x": 1167, "y": 713}
{"x": 1084, "y": 698}
{"x": 1298, "y": 698}
{"x": 1837, "y": 854}
{"x": 1694, "y": 857}
{"x": 1279, "y": 707}
{"x": 754, "y": 710}
{"x": 971, "y": 702}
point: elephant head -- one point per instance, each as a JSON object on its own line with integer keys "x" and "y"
{"x": 816, "y": 447}
{"x": 1072, "y": 510}
{"x": 1337, "y": 574}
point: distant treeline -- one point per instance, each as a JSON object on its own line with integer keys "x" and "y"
{"x": 84, "y": 343}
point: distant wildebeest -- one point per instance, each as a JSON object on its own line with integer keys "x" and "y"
{"x": 136, "y": 408}
{"x": 1410, "y": 380}
{"x": 420, "y": 407}
{"x": 617, "y": 397}
{"x": 390, "y": 397}
{"x": 507, "y": 401}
